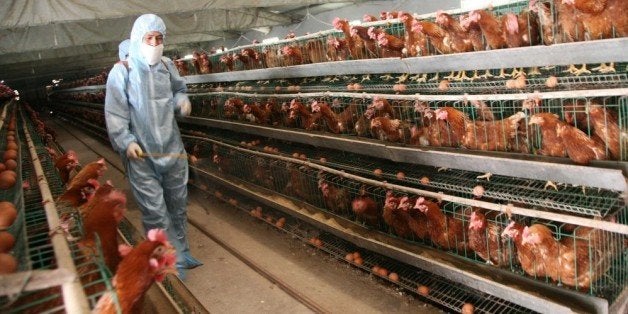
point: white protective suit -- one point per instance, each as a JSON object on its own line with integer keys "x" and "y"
{"x": 140, "y": 107}
{"x": 123, "y": 49}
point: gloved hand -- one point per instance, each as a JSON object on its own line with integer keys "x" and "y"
{"x": 134, "y": 151}
{"x": 185, "y": 106}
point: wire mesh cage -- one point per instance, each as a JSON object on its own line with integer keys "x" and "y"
{"x": 87, "y": 257}
{"x": 538, "y": 194}
{"x": 97, "y": 97}
{"x": 439, "y": 290}
{"x": 517, "y": 24}
{"x": 516, "y": 126}
{"x": 487, "y": 81}
{"x": 473, "y": 233}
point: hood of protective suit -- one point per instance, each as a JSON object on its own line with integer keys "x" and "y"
{"x": 144, "y": 24}
{"x": 123, "y": 49}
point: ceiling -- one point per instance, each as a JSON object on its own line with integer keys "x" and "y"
{"x": 41, "y": 40}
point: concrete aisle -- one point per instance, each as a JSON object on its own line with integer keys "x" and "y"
{"x": 227, "y": 285}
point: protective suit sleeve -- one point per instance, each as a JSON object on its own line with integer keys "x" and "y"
{"x": 117, "y": 109}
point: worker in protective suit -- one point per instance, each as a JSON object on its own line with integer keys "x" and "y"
{"x": 143, "y": 95}
{"x": 123, "y": 49}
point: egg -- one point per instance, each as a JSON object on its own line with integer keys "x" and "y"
{"x": 443, "y": 86}
{"x": 401, "y": 176}
{"x": 358, "y": 261}
{"x": 3, "y": 167}
{"x": 393, "y": 276}
{"x": 302, "y": 157}
{"x": 551, "y": 82}
{"x": 233, "y": 201}
{"x": 10, "y": 138}
{"x": 378, "y": 172}
{"x": 383, "y": 272}
{"x": 349, "y": 257}
{"x": 7, "y": 214}
{"x": 468, "y": 308}
{"x": 478, "y": 191}
{"x": 269, "y": 219}
{"x": 356, "y": 255}
{"x": 218, "y": 194}
{"x": 423, "y": 290}
{"x": 425, "y": 180}
{"x": 375, "y": 269}
{"x": 7, "y": 241}
{"x": 8, "y": 264}
{"x": 295, "y": 155}
{"x": 10, "y": 154}
{"x": 323, "y": 160}
{"x": 10, "y": 164}
{"x": 11, "y": 145}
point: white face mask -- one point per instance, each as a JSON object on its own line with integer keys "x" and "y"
{"x": 152, "y": 54}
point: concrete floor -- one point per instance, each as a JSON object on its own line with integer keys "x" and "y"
{"x": 225, "y": 284}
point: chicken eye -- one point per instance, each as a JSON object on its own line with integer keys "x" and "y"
{"x": 159, "y": 251}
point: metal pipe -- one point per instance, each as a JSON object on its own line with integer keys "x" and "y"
{"x": 464, "y": 97}
{"x": 74, "y": 297}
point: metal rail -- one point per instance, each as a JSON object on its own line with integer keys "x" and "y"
{"x": 463, "y": 97}
{"x": 74, "y": 296}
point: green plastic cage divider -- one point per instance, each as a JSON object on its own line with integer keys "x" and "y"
{"x": 441, "y": 291}
{"x": 301, "y": 183}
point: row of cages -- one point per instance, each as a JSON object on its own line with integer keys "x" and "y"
{"x": 490, "y": 81}
{"x": 37, "y": 252}
{"x": 580, "y": 258}
{"x": 399, "y": 34}
{"x": 93, "y": 115}
{"x": 548, "y": 127}
{"x": 434, "y": 288}
{"x": 498, "y": 189}
{"x": 605, "y": 254}
{"x": 438, "y": 289}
